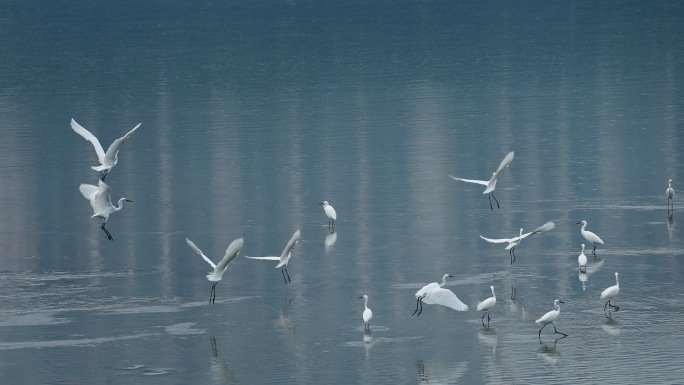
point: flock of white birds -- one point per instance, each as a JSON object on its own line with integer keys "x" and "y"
{"x": 433, "y": 293}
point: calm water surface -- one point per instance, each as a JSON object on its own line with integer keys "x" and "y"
{"x": 253, "y": 113}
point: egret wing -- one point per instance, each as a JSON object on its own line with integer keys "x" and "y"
{"x": 88, "y": 190}
{"x": 445, "y": 297}
{"x": 198, "y": 251}
{"x": 497, "y": 240}
{"x": 290, "y": 244}
{"x": 89, "y": 137}
{"x": 482, "y": 182}
{"x": 114, "y": 147}
{"x": 232, "y": 251}
{"x": 504, "y": 163}
{"x": 103, "y": 198}
{"x": 269, "y": 258}
{"x": 486, "y": 304}
{"x": 545, "y": 227}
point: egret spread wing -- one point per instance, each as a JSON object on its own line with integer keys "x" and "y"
{"x": 231, "y": 253}
{"x": 103, "y": 199}
{"x": 445, "y": 297}
{"x": 269, "y": 258}
{"x": 290, "y": 245}
{"x": 114, "y": 147}
{"x": 497, "y": 240}
{"x": 89, "y": 137}
{"x": 482, "y": 182}
{"x": 88, "y": 190}
{"x": 545, "y": 227}
{"x": 504, "y": 163}
{"x": 198, "y": 251}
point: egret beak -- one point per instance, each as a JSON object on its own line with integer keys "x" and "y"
{"x": 579, "y": 223}
{"x": 360, "y": 297}
{"x": 320, "y": 203}
{"x": 451, "y": 276}
{"x": 561, "y": 302}
{"x": 128, "y": 200}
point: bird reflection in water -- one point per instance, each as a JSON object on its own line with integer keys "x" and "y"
{"x": 221, "y": 372}
{"x": 330, "y": 240}
{"x": 670, "y": 222}
{"x": 590, "y": 268}
{"x": 440, "y": 375}
{"x": 367, "y": 340}
{"x": 549, "y": 353}
{"x": 611, "y": 327}
{"x": 488, "y": 338}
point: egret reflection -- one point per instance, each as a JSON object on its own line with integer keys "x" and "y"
{"x": 436, "y": 374}
{"x": 488, "y": 338}
{"x": 549, "y": 353}
{"x": 670, "y": 222}
{"x": 220, "y": 370}
{"x": 330, "y": 240}
{"x": 611, "y": 327}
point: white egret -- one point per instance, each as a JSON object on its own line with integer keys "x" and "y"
{"x": 611, "y": 293}
{"x": 589, "y": 236}
{"x": 670, "y": 194}
{"x": 109, "y": 159}
{"x": 513, "y": 242}
{"x": 101, "y": 200}
{"x": 367, "y": 314}
{"x": 486, "y": 305}
{"x": 220, "y": 268}
{"x": 582, "y": 260}
{"x": 434, "y": 294}
{"x": 550, "y": 318}
{"x": 491, "y": 183}
{"x": 284, "y": 256}
{"x": 330, "y": 212}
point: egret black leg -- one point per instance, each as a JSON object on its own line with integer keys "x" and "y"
{"x": 288, "y": 275}
{"x": 483, "y": 325}
{"x": 104, "y": 174}
{"x": 513, "y": 250}
{"x": 604, "y": 306}
{"x": 490, "y": 202}
{"x": 557, "y": 332}
{"x": 497, "y": 202}
{"x": 613, "y": 306}
{"x": 417, "y": 301}
{"x": 488, "y": 319}
{"x": 283, "y": 272}
{"x": 594, "y": 251}
{"x": 542, "y": 329}
{"x": 109, "y": 235}
{"x": 333, "y": 224}
{"x": 421, "y": 305}
{"x": 510, "y": 254}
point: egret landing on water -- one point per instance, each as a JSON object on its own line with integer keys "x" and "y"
{"x": 486, "y": 305}
{"x": 513, "y": 242}
{"x": 284, "y": 258}
{"x": 669, "y": 193}
{"x": 611, "y": 293}
{"x": 550, "y": 318}
{"x": 589, "y": 236}
{"x": 330, "y": 212}
{"x": 220, "y": 268}
{"x": 582, "y": 260}
{"x": 109, "y": 159}
{"x": 101, "y": 200}
{"x": 491, "y": 183}
{"x": 367, "y": 314}
{"x": 434, "y": 294}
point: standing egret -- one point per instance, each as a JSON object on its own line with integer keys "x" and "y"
{"x": 367, "y": 314}
{"x": 284, "y": 256}
{"x": 670, "y": 194}
{"x": 486, "y": 305}
{"x": 216, "y": 275}
{"x": 434, "y": 294}
{"x": 491, "y": 183}
{"x": 582, "y": 260}
{"x": 589, "y": 236}
{"x": 611, "y": 293}
{"x": 513, "y": 242}
{"x": 109, "y": 159}
{"x": 550, "y": 318}
{"x": 330, "y": 212}
{"x": 101, "y": 200}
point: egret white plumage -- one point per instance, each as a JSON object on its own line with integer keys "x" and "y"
{"x": 330, "y": 213}
{"x": 109, "y": 159}
{"x": 513, "y": 242}
{"x": 589, "y": 236}
{"x": 491, "y": 183}
{"x": 284, "y": 258}
{"x": 582, "y": 260}
{"x": 669, "y": 193}
{"x": 367, "y": 313}
{"x": 611, "y": 293}
{"x": 100, "y": 198}
{"x": 220, "y": 268}
{"x": 433, "y": 293}
{"x": 486, "y": 305}
{"x": 550, "y": 318}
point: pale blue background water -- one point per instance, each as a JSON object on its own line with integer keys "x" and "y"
{"x": 255, "y": 112}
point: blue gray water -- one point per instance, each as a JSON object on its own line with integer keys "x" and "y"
{"x": 254, "y": 112}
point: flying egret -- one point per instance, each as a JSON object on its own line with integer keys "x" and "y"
{"x": 220, "y": 268}
{"x": 491, "y": 184}
{"x": 284, "y": 256}
{"x": 367, "y": 314}
{"x": 582, "y": 260}
{"x": 589, "y": 236}
{"x": 434, "y": 294}
{"x": 550, "y": 318}
{"x": 611, "y": 293}
{"x": 101, "y": 200}
{"x": 109, "y": 159}
{"x": 330, "y": 212}
{"x": 670, "y": 194}
{"x": 513, "y": 242}
{"x": 486, "y": 305}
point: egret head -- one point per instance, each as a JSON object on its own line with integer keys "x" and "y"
{"x": 363, "y": 297}
{"x": 324, "y": 203}
{"x": 582, "y": 222}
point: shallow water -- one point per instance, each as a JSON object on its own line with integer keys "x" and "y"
{"x": 253, "y": 113}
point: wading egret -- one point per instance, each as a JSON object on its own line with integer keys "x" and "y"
{"x": 330, "y": 212}
{"x": 284, "y": 256}
{"x": 582, "y": 260}
{"x": 101, "y": 200}
{"x": 513, "y": 242}
{"x": 611, "y": 293}
{"x": 434, "y": 294}
{"x": 486, "y": 305}
{"x": 109, "y": 159}
{"x": 491, "y": 183}
{"x": 670, "y": 194}
{"x": 550, "y": 318}
{"x": 589, "y": 236}
{"x": 367, "y": 314}
{"x": 220, "y": 268}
